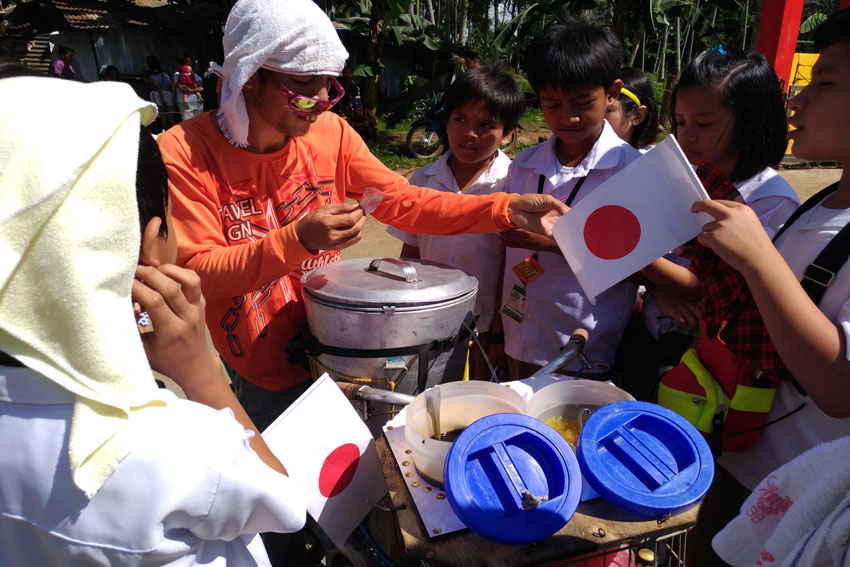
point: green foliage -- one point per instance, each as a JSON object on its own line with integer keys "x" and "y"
{"x": 523, "y": 84}
{"x": 509, "y": 28}
{"x": 368, "y": 69}
{"x": 412, "y": 108}
{"x": 657, "y": 88}
{"x": 812, "y": 22}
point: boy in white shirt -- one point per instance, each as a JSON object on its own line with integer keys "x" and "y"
{"x": 484, "y": 106}
{"x": 574, "y": 68}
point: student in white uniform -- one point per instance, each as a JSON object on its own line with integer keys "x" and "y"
{"x": 573, "y": 67}
{"x": 634, "y": 113}
{"x": 484, "y": 106}
{"x": 101, "y": 467}
{"x": 727, "y": 110}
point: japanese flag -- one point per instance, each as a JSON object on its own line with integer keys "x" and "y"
{"x": 328, "y": 450}
{"x": 631, "y": 220}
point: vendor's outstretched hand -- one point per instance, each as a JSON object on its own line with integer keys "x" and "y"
{"x": 736, "y": 234}
{"x": 535, "y": 212}
{"x": 332, "y": 227}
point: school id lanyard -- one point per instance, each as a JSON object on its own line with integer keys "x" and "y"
{"x": 569, "y": 202}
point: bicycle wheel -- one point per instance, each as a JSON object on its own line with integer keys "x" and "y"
{"x": 423, "y": 141}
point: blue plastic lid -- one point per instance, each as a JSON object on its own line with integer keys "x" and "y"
{"x": 512, "y": 479}
{"x": 645, "y": 458}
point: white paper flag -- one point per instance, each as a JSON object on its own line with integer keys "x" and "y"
{"x": 631, "y": 220}
{"x": 328, "y": 450}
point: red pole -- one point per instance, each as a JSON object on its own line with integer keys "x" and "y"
{"x": 778, "y": 31}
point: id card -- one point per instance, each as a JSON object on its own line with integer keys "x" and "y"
{"x": 528, "y": 270}
{"x": 514, "y": 306}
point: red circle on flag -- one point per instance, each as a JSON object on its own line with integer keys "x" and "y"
{"x": 611, "y": 232}
{"x": 338, "y": 469}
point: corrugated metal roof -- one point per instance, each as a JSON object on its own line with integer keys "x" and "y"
{"x": 42, "y": 16}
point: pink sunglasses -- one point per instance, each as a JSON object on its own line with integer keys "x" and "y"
{"x": 306, "y": 105}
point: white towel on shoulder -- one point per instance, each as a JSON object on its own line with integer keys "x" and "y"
{"x": 290, "y": 36}
{"x": 798, "y": 516}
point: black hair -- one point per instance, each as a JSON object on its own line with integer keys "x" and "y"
{"x": 153, "y": 64}
{"x": 151, "y": 182}
{"x": 65, "y": 49}
{"x": 9, "y": 70}
{"x": 469, "y": 54}
{"x": 497, "y": 90}
{"x": 104, "y": 74}
{"x": 835, "y": 29}
{"x": 750, "y": 89}
{"x": 637, "y": 82}
{"x": 575, "y": 54}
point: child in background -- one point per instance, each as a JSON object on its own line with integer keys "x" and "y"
{"x": 83, "y": 428}
{"x": 188, "y": 87}
{"x": 188, "y": 79}
{"x": 573, "y": 68}
{"x": 484, "y": 106}
{"x": 634, "y": 114}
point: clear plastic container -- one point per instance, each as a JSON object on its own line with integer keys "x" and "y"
{"x": 565, "y": 398}
{"x": 461, "y": 403}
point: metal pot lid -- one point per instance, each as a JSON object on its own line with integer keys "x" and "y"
{"x": 387, "y": 281}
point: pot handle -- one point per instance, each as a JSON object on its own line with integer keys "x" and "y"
{"x": 409, "y": 271}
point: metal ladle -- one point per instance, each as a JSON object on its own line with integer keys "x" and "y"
{"x": 432, "y": 406}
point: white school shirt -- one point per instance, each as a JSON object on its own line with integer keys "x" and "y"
{"x": 555, "y": 305}
{"x": 770, "y": 197}
{"x": 479, "y": 255}
{"x": 780, "y": 442}
{"x": 190, "y": 492}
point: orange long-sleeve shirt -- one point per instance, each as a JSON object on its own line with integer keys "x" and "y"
{"x": 234, "y": 213}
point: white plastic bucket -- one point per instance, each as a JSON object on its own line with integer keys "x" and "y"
{"x": 461, "y": 403}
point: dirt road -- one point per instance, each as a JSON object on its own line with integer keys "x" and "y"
{"x": 376, "y": 242}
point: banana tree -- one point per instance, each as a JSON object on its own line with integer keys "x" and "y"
{"x": 381, "y": 21}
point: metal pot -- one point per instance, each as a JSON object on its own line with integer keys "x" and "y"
{"x": 399, "y": 321}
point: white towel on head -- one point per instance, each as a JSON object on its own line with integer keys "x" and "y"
{"x": 69, "y": 245}
{"x": 291, "y": 36}
{"x": 798, "y": 516}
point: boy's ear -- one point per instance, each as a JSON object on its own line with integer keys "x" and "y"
{"x": 506, "y": 136}
{"x": 614, "y": 90}
{"x": 151, "y": 241}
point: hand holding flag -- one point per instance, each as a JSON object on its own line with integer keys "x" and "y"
{"x": 736, "y": 234}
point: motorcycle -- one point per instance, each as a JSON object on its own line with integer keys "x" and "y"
{"x": 427, "y": 136}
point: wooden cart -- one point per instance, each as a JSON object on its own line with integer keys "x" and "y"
{"x": 596, "y": 532}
